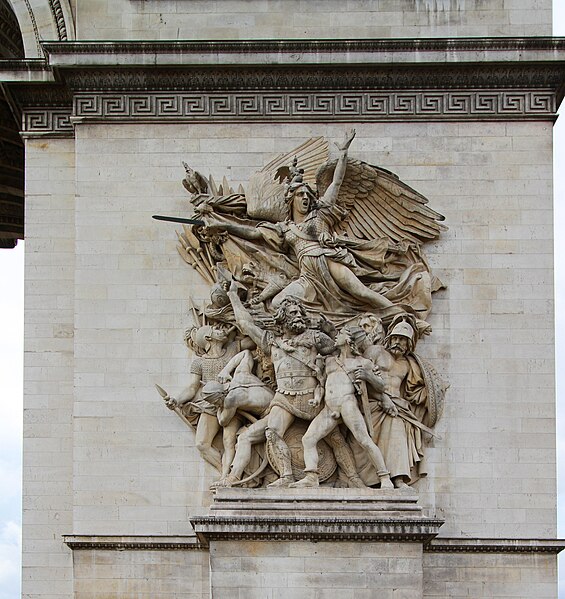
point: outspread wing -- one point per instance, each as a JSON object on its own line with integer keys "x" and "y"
{"x": 265, "y": 193}
{"x": 380, "y": 205}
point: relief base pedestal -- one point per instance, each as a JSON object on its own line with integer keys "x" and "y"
{"x": 315, "y": 543}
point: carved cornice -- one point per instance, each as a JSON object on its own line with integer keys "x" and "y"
{"x": 44, "y": 96}
{"x": 46, "y": 109}
{"x": 399, "y": 77}
{"x": 134, "y": 543}
{"x": 191, "y": 543}
{"x": 288, "y": 527}
{"x": 246, "y": 47}
{"x": 453, "y": 545}
{"x": 277, "y": 81}
{"x": 23, "y": 64}
{"x": 315, "y": 106}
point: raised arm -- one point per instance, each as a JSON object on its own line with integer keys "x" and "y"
{"x": 330, "y": 197}
{"x": 243, "y": 318}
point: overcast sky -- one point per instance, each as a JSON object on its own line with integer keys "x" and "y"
{"x": 11, "y": 368}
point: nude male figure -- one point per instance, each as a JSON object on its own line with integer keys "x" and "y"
{"x": 236, "y": 388}
{"x": 344, "y": 375}
{"x": 294, "y": 359}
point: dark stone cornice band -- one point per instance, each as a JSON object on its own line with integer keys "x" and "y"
{"x": 319, "y": 78}
{"x": 133, "y": 542}
{"x": 191, "y": 543}
{"x": 470, "y": 545}
{"x": 314, "y": 47}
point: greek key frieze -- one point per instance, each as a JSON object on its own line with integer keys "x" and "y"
{"x": 47, "y": 121}
{"x": 381, "y": 105}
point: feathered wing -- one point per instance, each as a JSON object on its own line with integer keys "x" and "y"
{"x": 265, "y": 192}
{"x": 380, "y": 205}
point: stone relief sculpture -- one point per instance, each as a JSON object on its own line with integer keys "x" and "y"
{"x": 214, "y": 350}
{"x": 346, "y": 375}
{"x": 304, "y": 370}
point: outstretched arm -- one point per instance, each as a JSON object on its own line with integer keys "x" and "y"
{"x": 244, "y": 231}
{"x": 243, "y": 318}
{"x": 187, "y": 394}
{"x": 330, "y": 197}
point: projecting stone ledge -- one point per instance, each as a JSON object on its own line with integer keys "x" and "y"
{"x": 315, "y": 514}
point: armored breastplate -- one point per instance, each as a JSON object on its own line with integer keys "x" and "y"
{"x": 211, "y": 367}
{"x": 292, "y": 373}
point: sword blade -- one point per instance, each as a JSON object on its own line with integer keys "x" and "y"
{"x": 419, "y": 425}
{"x": 178, "y": 219}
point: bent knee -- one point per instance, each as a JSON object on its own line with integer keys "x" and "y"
{"x": 310, "y": 439}
{"x": 203, "y": 447}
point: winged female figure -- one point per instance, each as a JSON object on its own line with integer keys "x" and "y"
{"x": 339, "y": 239}
{"x": 344, "y": 262}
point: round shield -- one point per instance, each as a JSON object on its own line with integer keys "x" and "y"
{"x": 293, "y": 438}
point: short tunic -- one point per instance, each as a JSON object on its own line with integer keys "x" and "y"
{"x": 208, "y": 370}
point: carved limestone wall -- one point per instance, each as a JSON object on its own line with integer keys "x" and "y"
{"x": 272, "y": 19}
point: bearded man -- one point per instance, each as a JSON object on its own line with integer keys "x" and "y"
{"x": 299, "y": 389}
{"x": 399, "y": 416}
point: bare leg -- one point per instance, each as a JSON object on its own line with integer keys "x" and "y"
{"x": 355, "y": 423}
{"x": 207, "y": 428}
{"x": 278, "y": 422}
{"x": 350, "y": 283}
{"x": 254, "y": 434}
{"x": 321, "y": 426}
{"x": 229, "y": 438}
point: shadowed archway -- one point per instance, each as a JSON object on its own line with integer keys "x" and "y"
{"x": 11, "y": 145}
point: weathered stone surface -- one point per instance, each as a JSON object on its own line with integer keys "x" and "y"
{"x": 106, "y": 308}
{"x": 272, "y": 19}
{"x": 126, "y": 308}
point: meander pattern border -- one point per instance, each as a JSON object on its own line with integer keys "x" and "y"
{"x": 282, "y": 107}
